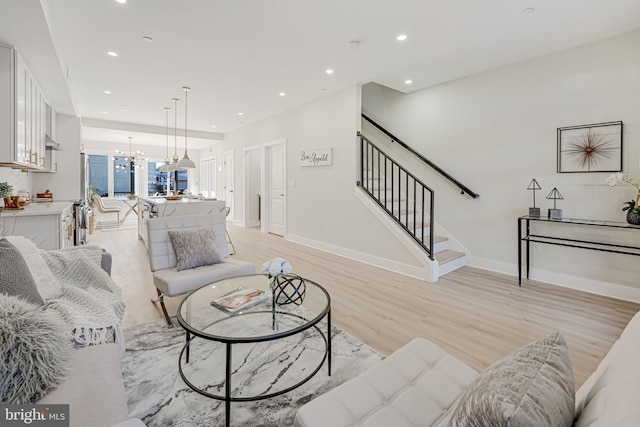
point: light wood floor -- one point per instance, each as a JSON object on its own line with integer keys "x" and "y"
{"x": 476, "y": 315}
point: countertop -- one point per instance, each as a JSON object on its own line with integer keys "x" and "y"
{"x": 42, "y": 208}
{"x": 161, "y": 200}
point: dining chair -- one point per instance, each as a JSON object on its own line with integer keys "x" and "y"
{"x": 229, "y": 242}
{"x": 102, "y": 208}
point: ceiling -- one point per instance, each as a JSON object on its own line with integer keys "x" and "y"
{"x": 238, "y": 56}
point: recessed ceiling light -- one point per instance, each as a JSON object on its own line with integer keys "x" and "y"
{"x": 329, "y": 71}
{"x": 401, "y": 37}
{"x": 121, "y": 1}
{"x": 213, "y": 126}
{"x": 282, "y": 94}
{"x": 241, "y": 114}
{"x": 408, "y": 81}
{"x": 112, "y": 53}
{"x": 108, "y": 92}
{"x": 105, "y": 112}
{"x": 527, "y": 11}
{"x": 147, "y": 38}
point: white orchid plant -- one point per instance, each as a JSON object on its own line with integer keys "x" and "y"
{"x": 276, "y": 266}
{"x": 619, "y": 177}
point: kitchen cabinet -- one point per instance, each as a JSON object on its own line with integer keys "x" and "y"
{"x": 23, "y": 117}
{"x": 50, "y": 225}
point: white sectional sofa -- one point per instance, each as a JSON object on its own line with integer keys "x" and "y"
{"x": 421, "y": 385}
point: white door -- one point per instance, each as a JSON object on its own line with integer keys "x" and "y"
{"x": 208, "y": 177}
{"x": 228, "y": 182}
{"x": 276, "y": 189}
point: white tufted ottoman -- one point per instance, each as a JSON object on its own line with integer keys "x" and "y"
{"x": 417, "y": 385}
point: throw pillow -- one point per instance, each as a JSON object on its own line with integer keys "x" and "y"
{"x": 47, "y": 284}
{"x": 34, "y": 349}
{"x": 15, "y": 277}
{"x": 194, "y": 248}
{"x": 532, "y": 386}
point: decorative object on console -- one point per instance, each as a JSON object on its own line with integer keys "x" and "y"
{"x": 632, "y": 207}
{"x": 554, "y": 195}
{"x": 590, "y": 148}
{"x": 533, "y": 211}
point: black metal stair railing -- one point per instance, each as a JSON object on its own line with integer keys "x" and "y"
{"x": 463, "y": 188}
{"x": 403, "y": 197}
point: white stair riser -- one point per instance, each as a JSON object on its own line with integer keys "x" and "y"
{"x": 452, "y": 265}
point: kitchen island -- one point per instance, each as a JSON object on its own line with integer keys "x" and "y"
{"x": 151, "y": 207}
{"x": 48, "y": 224}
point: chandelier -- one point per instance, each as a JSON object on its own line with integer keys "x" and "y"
{"x": 131, "y": 160}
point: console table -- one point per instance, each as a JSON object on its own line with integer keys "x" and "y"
{"x": 524, "y": 225}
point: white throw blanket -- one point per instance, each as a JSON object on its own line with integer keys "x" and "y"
{"x": 89, "y": 301}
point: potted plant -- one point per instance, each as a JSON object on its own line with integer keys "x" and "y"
{"x": 6, "y": 190}
{"x": 633, "y": 206}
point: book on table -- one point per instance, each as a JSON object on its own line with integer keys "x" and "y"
{"x": 239, "y": 299}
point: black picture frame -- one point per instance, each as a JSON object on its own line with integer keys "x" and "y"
{"x": 590, "y": 148}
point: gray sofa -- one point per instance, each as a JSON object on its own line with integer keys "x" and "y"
{"x": 87, "y": 378}
{"x": 422, "y": 385}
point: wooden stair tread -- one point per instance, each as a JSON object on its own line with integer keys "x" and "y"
{"x": 447, "y": 255}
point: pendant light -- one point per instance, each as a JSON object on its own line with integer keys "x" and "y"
{"x": 186, "y": 162}
{"x": 165, "y": 166}
{"x": 174, "y": 165}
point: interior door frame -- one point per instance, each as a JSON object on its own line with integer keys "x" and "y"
{"x": 246, "y": 217}
{"x": 232, "y": 215}
{"x": 266, "y": 184}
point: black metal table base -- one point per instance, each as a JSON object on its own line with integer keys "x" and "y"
{"x": 227, "y": 398}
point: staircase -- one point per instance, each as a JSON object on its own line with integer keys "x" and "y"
{"x": 411, "y": 217}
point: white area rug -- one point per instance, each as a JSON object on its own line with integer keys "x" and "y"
{"x": 157, "y": 394}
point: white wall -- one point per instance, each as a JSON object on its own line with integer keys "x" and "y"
{"x": 17, "y": 179}
{"x": 322, "y": 210}
{"x": 497, "y": 130}
{"x": 64, "y": 184}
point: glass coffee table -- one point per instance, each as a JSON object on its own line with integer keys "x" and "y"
{"x": 276, "y": 348}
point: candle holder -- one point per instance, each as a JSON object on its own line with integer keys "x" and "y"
{"x": 533, "y": 186}
{"x": 554, "y": 195}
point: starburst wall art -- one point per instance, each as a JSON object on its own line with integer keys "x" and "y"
{"x": 590, "y": 148}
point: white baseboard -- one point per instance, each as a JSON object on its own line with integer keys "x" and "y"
{"x": 598, "y": 287}
{"x": 397, "y": 267}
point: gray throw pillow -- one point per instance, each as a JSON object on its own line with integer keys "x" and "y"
{"x": 531, "y": 387}
{"x": 194, "y": 248}
{"x": 34, "y": 351}
{"x": 15, "y": 277}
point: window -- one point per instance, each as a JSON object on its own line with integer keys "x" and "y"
{"x": 156, "y": 181}
{"x": 99, "y": 173}
{"x": 124, "y": 176}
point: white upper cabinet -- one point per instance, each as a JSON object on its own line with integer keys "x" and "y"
{"x": 23, "y": 119}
